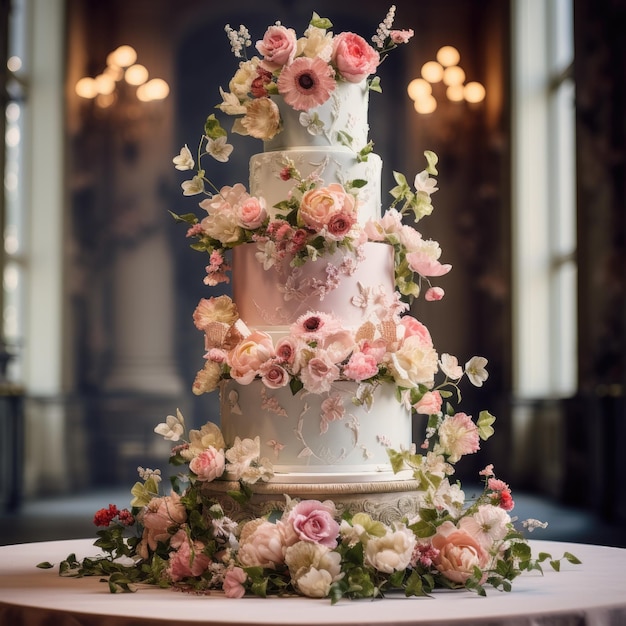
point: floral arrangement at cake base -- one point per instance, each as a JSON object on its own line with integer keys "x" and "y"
{"x": 180, "y": 537}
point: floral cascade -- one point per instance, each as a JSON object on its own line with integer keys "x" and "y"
{"x": 183, "y": 539}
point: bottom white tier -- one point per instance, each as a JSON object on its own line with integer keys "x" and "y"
{"x": 307, "y": 435}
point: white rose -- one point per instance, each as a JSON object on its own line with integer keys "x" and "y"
{"x": 392, "y": 552}
{"x": 415, "y": 363}
{"x": 313, "y": 568}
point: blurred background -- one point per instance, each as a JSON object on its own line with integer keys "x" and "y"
{"x": 523, "y": 101}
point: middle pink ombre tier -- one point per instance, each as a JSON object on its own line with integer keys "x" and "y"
{"x": 341, "y": 284}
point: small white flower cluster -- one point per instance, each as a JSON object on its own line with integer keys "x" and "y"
{"x": 384, "y": 28}
{"x": 239, "y": 39}
{"x": 147, "y": 473}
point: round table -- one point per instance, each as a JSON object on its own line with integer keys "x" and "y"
{"x": 591, "y": 594}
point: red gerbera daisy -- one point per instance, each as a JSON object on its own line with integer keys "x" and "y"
{"x": 306, "y": 83}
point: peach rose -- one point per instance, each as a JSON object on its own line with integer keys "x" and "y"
{"x": 261, "y": 544}
{"x": 459, "y": 553}
{"x": 319, "y": 205}
{"x": 159, "y": 515}
{"x": 248, "y": 355}
{"x": 353, "y": 57}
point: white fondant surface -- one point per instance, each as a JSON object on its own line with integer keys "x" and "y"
{"x": 344, "y": 112}
{"x": 278, "y": 296}
{"x": 298, "y": 439}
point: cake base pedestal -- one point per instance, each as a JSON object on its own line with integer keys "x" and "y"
{"x": 385, "y": 501}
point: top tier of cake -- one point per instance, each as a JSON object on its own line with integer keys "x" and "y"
{"x": 340, "y": 123}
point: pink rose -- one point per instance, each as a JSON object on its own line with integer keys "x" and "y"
{"x": 429, "y": 404}
{"x": 353, "y": 57}
{"x": 273, "y": 375}
{"x": 287, "y": 350}
{"x": 319, "y": 205}
{"x": 314, "y": 521}
{"x": 233, "y": 583}
{"x": 261, "y": 544}
{"x": 458, "y": 554}
{"x": 361, "y": 366}
{"x": 339, "y": 225}
{"x": 208, "y": 465}
{"x": 188, "y": 561}
{"x": 278, "y": 46}
{"x": 248, "y": 355}
{"x": 252, "y": 213}
{"x": 415, "y": 328}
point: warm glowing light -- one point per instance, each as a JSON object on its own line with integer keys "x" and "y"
{"x": 136, "y": 74}
{"x": 155, "y": 89}
{"x": 425, "y": 105}
{"x": 474, "y": 92}
{"x": 419, "y": 88}
{"x": 432, "y": 71}
{"x": 455, "y": 93}
{"x": 114, "y": 72}
{"x": 448, "y": 55}
{"x": 104, "y": 84}
{"x": 124, "y": 56}
{"x": 14, "y": 64}
{"x": 453, "y": 75}
{"x": 86, "y": 88}
{"x": 105, "y": 100}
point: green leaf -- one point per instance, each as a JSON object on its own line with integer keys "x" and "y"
{"x": 572, "y": 558}
{"x": 320, "y": 22}
{"x": 187, "y": 218}
{"x": 374, "y": 85}
{"x": 45, "y": 565}
{"x": 212, "y": 127}
{"x": 432, "y": 160}
{"x": 485, "y": 420}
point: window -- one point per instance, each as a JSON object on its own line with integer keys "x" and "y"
{"x": 13, "y": 175}
{"x": 544, "y": 209}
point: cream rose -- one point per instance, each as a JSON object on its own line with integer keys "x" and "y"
{"x": 415, "y": 363}
{"x": 459, "y": 553}
{"x": 391, "y": 552}
{"x": 261, "y": 544}
{"x": 241, "y": 82}
{"x": 313, "y": 568}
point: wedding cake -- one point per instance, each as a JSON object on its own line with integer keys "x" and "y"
{"x": 311, "y": 483}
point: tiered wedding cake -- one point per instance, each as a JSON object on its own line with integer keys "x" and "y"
{"x": 318, "y": 363}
